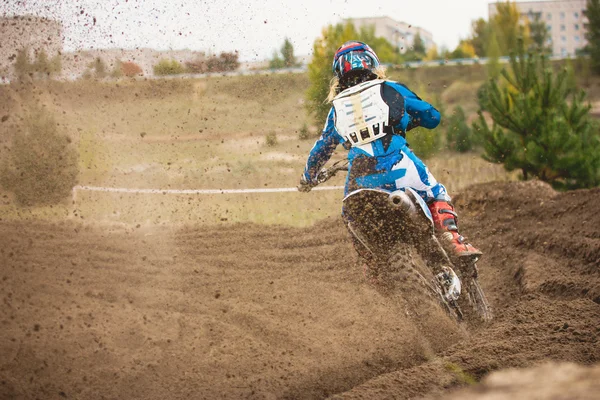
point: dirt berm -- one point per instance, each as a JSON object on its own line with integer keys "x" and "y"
{"x": 93, "y": 311}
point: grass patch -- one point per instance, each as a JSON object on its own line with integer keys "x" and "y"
{"x": 461, "y": 375}
{"x": 271, "y": 139}
{"x": 206, "y": 134}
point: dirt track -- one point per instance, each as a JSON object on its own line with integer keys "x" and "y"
{"x": 249, "y": 311}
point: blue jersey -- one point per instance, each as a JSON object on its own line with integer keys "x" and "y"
{"x": 387, "y": 162}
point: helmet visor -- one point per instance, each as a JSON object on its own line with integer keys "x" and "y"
{"x": 355, "y": 60}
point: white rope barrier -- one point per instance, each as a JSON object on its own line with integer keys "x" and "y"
{"x": 195, "y": 191}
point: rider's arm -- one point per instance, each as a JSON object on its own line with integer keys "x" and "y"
{"x": 418, "y": 112}
{"x": 323, "y": 148}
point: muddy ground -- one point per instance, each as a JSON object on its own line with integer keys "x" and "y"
{"x": 92, "y": 311}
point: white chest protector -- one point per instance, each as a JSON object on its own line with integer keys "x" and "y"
{"x": 361, "y": 113}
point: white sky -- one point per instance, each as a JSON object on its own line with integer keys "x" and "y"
{"x": 253, "y": 27}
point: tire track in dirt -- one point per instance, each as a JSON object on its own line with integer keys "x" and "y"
{"x": 216, "y": 312}
{"x": 541, "y": 271}
{"x": 99, "y": 311}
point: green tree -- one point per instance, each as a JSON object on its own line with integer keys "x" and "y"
{"x": 319, "y": 69}
{"x": 287, "y": 51}
{"x": 464, "y": 49}
{"x": 592, "y": 12}
{"x": 539, "y": 35}
{"x": 40, "y": 68}
{"x": 541, "y": 124}
{"x": 287, "y": 58}
{"x": 117, "y": 70}
{"x": 56, "y": 65}
{"x": 42, "y": 64}
{"x": 504, "y": 25}
{"x": 493, "y": 54}
{"x": 276, "y": 62}
{"x": 480, "y": 31}
{"x": 100, "y": 67}
{"x": 417, "y": 51}
{"x": 418, "y": 44}
{"x": 23, "y": 66}
{"x": 96, "y": 69}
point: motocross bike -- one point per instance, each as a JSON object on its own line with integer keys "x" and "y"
{"x": 383, "y": 224}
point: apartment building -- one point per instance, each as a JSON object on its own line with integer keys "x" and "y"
{"x": 564, "y": 19}
{"x": 399, "y": 34}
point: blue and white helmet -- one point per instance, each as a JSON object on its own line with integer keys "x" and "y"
{"x": 354, "y": 59}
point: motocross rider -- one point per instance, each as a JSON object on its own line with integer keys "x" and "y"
{"x": 370, "y": 117}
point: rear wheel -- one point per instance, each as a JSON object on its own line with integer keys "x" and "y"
{"x": 408, "y": 273}
{"x": 472, "y": 301}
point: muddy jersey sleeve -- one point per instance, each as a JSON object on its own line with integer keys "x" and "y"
{"x": 323, "y": 148}
{"x": 418, "y": 112}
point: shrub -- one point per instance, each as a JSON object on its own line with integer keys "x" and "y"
{"x": 271, "y": 139}
{"x": 197, "y": 66}
{"x": 459, "y": 135}
{"x": 303, "y": 133}
{"x": 41, "y": 68}
{"x": 168, "y": 67}
{"x": 23, "y": 66}
{"x": 99, "y": 67}
{"x": 42, "y": 166}
{"x": 131, "y": 69}
{"x": 96, "y": 69}
{"x": 222, "y": 63}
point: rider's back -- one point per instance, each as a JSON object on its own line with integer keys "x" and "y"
{"x": 372, "y": 118}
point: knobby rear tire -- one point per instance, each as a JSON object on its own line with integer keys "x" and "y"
{"x": 473, "y": 302}
{"x": 416, "y": 278}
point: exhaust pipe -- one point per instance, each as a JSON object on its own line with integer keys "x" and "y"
{"x": 399, "y": 199}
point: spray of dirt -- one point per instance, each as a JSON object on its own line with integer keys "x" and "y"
{"x": 101, "y": 311}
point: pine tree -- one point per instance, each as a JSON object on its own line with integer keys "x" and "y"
{"x": 99, "y": 67}
{"x": 480, "y": 29}
{"x": 493, "y": 54}
{"x": 459, "y": 136}
{"x": 42, "y": 64}
{"x": 418, "y": 44}
{"x": 541, "y": 124}
{"x": 592, "y": 35}
{"x": 55, "y": 65}
{"x": 23, "y": 66}
{"x": 287, "y": 51}
{"x": 276, "y": 62}
{"x": 287, "y": 58}
{"x": 539, "y": 35}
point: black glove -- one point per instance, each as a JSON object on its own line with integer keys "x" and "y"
{"x": 304, "y": 186}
